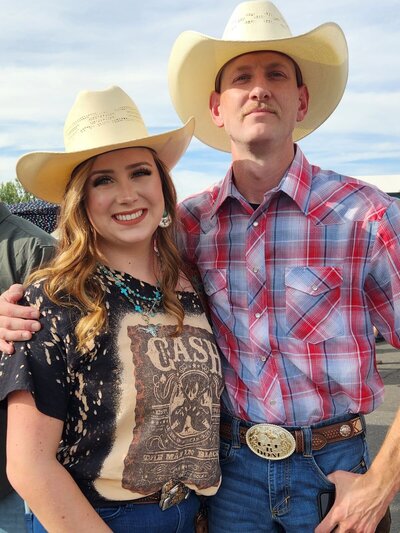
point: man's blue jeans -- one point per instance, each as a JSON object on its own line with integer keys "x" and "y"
{"x": 262, "y": 496}
{"x": 142, "y": 518}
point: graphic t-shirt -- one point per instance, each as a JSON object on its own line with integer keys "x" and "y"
{"x": 141, "y": 407}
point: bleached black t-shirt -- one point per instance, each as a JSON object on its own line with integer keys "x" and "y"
{"x": 140, "y": 408}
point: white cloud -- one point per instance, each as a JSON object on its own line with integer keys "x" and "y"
{"x": 375, "y": 113}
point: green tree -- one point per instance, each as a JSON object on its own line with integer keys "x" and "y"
{"x": 12, "y": 192}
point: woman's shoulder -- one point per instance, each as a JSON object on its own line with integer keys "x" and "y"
{"x": 36, "y": 294}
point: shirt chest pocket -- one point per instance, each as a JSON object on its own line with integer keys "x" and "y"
{"x": 216, "y": 287}
{"x": 313, "y": 303}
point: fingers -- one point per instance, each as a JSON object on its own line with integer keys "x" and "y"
{"x": 9, "y": 308}
{"x": 327, "y": 525}
{"x": 6, "y": 347}
{"x": 17, "y": 322}
{"x": 13, "y": 294}
{"x": 17, "y": 329}
{"x": 10, "y": 313}
{"x": 7, "y": 337}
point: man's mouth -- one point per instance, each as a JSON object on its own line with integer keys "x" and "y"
{"x": 258, "y": 109}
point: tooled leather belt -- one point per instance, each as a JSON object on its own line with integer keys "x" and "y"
{"x": 275, "y": 442}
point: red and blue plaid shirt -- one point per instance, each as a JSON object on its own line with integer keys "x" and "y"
{"x": 294, "y": 289}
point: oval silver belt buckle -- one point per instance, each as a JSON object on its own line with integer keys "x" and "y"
{"x": 270, "y": 441}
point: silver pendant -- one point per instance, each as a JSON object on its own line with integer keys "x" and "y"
{"x": 152, "y": 329}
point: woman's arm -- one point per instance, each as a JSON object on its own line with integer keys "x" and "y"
{"x": 35, "y": 473}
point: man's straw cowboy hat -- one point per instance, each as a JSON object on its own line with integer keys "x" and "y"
{"x": 196, "y": 60}
{"x": 99, "y": 121}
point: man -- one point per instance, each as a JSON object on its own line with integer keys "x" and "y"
{"x": 298, "y": 263}
{"x": 23, "y": 246}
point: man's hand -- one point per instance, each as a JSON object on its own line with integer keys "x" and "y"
{"x": 360, "y": 504}
{"x": 17, "y": 322}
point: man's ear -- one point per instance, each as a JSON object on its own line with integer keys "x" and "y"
{"x": 215, "y": 109}
{"x": 303, "y": 103}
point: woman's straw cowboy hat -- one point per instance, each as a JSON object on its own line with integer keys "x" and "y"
{"x": 196, "y": 60}
{"x": 99, "y": 121}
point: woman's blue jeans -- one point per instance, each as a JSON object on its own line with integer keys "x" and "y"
{"x": 142, "y": 518}
{"x": 263, "y": 496}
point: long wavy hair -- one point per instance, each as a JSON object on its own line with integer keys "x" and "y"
{"x": 69, "y": 278}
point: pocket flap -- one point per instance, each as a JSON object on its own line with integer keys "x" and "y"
{"x": 313, "y": 280}
{"x": 214, "y": 281}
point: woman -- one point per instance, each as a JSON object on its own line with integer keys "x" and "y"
{"x": 114, "y": 404}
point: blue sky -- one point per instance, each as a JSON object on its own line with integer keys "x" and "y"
{"x": 50, "y": 50}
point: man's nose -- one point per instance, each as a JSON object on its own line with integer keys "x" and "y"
{"x": 260, "y": 91}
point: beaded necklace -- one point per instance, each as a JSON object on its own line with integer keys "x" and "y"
{"x": 130, "y": 294}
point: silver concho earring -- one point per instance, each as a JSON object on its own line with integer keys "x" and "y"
{"x": 165, "y": 221}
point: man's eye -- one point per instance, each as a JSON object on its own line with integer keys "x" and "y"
{"x": 276, "y": 74}
{"x": 241, "y": 77}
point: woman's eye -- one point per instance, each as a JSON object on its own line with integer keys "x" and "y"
{"x": 101, "y": 180}
{"x": 143, "y": 171}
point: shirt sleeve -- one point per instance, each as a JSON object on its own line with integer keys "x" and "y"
{"x": 40, "y": 365}
{"x": 34, "y": 255}
{"x": 383, "y": 281}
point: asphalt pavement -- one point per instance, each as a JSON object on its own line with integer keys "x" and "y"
{"x": 378, "y": 422}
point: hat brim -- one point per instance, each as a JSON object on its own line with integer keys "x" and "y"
{"x": 46, "y": 174}
{"x": 196, "y": 59}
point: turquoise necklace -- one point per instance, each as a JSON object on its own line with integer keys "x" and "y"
{"x": 132, "y": 294}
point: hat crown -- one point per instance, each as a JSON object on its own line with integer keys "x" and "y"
{"x": 256, "y": 21}
{"x": 102, "y": 118}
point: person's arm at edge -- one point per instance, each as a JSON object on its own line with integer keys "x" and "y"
{"x": 17, "y": 322}
{"x": 361, "y": 500}
{"x": 35, "y": 473}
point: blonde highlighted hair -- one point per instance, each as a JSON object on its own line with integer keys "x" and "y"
{"x": 69, "y": 278}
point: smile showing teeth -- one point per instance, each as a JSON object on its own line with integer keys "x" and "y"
{"x": 131, "y": 216}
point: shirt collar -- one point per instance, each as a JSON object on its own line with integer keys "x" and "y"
{"x": 4, "y": 211}
{"x": 296, "y": 183}
{"x": 226, "y": 190}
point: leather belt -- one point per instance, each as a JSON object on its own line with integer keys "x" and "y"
{"x": 171, "y": 493}
{"x": 320, "y": 436}
{"x": 151, "y": 498}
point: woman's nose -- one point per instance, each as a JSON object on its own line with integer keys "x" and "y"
{"x": 127, "y": 192}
